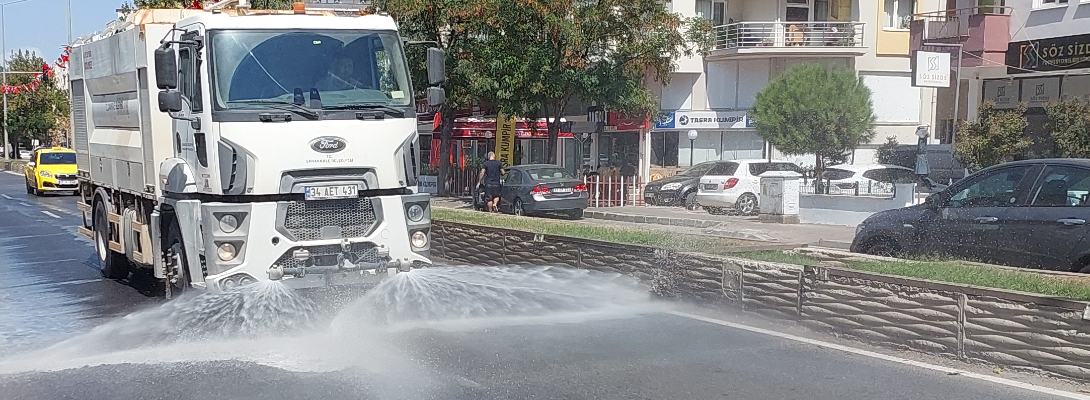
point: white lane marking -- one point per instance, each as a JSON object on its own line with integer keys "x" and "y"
{"x": 884, "y": 357}
{"x": 13, "y": 173}
{"x": 25, "y": 204}
{"x": 51, "y": 214}
{"x": 6, "y": 196}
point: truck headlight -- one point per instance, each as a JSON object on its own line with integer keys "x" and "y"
{"x": 419, "y": 239}
{"x": 228, "y": 223}
{"x": 45, "y": 174}
{"x": 227, "y": 252}
{"x": 416, "y": 213}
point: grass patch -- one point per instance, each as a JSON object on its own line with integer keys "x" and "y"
{"x": 936, "y": 270}
{"x": 1072, "y": 287}
{"x": 982, "y": 276}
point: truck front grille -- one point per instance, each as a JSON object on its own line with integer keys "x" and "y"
{"x": 365, "y": 253}
{"x": 330, "y": 219}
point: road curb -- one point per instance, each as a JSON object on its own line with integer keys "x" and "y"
{"x": 647, "y": 219}
{"x": 1024, "y": 331}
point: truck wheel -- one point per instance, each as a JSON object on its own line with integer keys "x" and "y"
{"x": 176, "y": 262}
{"x": 110, "y": 264}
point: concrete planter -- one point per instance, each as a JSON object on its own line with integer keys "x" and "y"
{"x": 1009, "y": 329}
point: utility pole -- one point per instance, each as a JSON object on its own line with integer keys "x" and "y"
{"x": 4, "y": 50}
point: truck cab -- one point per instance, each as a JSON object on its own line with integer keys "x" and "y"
{"x": 283, "y": 147}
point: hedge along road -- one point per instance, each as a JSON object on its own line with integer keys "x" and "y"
{"x": 51, "y": 294}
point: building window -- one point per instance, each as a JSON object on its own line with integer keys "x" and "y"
{"x": 898, "y": 14}
{"x": 664, "y": 149}
{"x": 1051, "y": 3}
{"x": 714, "y": 11}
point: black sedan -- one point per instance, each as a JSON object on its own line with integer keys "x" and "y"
{"x": 540, "y": 189}
{"x": 680, "y": 189}
{"x": 1029, "y": 213}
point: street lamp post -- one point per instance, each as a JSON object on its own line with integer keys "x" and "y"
{"x": 692, "y": 143}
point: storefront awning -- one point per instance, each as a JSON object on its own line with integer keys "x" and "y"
{"x": 485, "y": 127}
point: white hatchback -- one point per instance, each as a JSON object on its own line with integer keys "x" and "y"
{"x": 734, "y": 186}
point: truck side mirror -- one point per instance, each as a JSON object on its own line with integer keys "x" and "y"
{"x": 436, "y": 96}
{"x": 437, "y": 66}
{"x": 170, "y": 101}
{"x": 166, "y": 68}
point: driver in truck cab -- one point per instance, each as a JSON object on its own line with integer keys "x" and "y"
{"x": 340, "y": 75}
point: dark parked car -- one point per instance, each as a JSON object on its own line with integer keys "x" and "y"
{"x": 539, "y": 189}
{"x": 1029, "y": 213}
{"x": 680, "y": 189}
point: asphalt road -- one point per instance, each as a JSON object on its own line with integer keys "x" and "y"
{"x": 50, "y": 293}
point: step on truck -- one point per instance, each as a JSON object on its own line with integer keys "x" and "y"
{"x": 227, "y": 146}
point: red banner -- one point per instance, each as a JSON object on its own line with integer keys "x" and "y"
{"x": 61, "y": 63}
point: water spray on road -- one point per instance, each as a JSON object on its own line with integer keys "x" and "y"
{"x": 269, "y": 324}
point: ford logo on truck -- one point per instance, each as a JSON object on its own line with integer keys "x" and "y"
{"x": 328, "y": 144}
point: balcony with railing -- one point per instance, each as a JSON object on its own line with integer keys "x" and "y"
{"x": 982, "y": 31}
{"x": 789, "y": 38}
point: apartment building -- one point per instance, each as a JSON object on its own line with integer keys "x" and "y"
{"x": 1013, "y": 51}
{"x": 757, "y": 40}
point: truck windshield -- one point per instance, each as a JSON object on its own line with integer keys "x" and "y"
{"x": 346, "y": 68}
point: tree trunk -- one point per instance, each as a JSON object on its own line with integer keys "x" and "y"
{"x": 554, "y": 131}
{"x": 446, "y": 133}
{"x": 819, "y": 170}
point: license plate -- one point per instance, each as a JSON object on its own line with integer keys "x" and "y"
{"x": 562, "y": 190}
{"x": 710, "y": 186}
{"x": 332, "y": 192}
{"x": 66, "y": 182}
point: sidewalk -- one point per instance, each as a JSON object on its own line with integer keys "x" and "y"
{"x": 679, "y": 220}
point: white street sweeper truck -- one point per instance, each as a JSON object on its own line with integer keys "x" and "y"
{"x": 226, "y": 146}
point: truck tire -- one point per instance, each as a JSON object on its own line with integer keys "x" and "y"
{"x": 110, "y": 264}
{"x": 176, "y": 259}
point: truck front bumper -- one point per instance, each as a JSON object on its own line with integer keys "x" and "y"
{"x": 314, "y": 244}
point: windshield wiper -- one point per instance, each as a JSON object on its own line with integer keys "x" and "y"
{"x": 396, "y": 113}
{"x": 306, "y": 112}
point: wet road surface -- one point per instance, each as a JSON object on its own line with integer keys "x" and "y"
{"x": 50, "y": 291}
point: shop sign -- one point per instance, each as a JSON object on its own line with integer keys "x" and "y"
{"x": 932, "y": 69}
{"x": 427, "y": 184}
{"x": 505, "y": 139}
{"x": 1002, "y": 92}
{"x": 715, "y": 120}
{"x": 1077, "y": 86}
{"x": 1050, "y": 54}
{"x": 1040, "y": 91}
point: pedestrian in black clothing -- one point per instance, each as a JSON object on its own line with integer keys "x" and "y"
{"x": 490, "y": 175}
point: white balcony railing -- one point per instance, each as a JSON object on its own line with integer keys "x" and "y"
{"x": 788, "y": 34}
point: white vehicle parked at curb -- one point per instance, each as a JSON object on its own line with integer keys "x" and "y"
{"x": 866, "y": 179}
{"x": 734, "y": 186}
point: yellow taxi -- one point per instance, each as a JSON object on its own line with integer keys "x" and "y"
{"x": 51, "y": 169}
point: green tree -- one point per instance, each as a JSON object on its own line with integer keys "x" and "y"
{"x": 815, "y": 110}
{"x": 168, "y": 4}
{"x": 888, "y": 150}
{"x": 540, "y": 57}
{"x": 1069, "y": 127}
{"x": 33, "y": 114}
{"x": 994, "y": 137}
{"x": 455, "y": 26}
